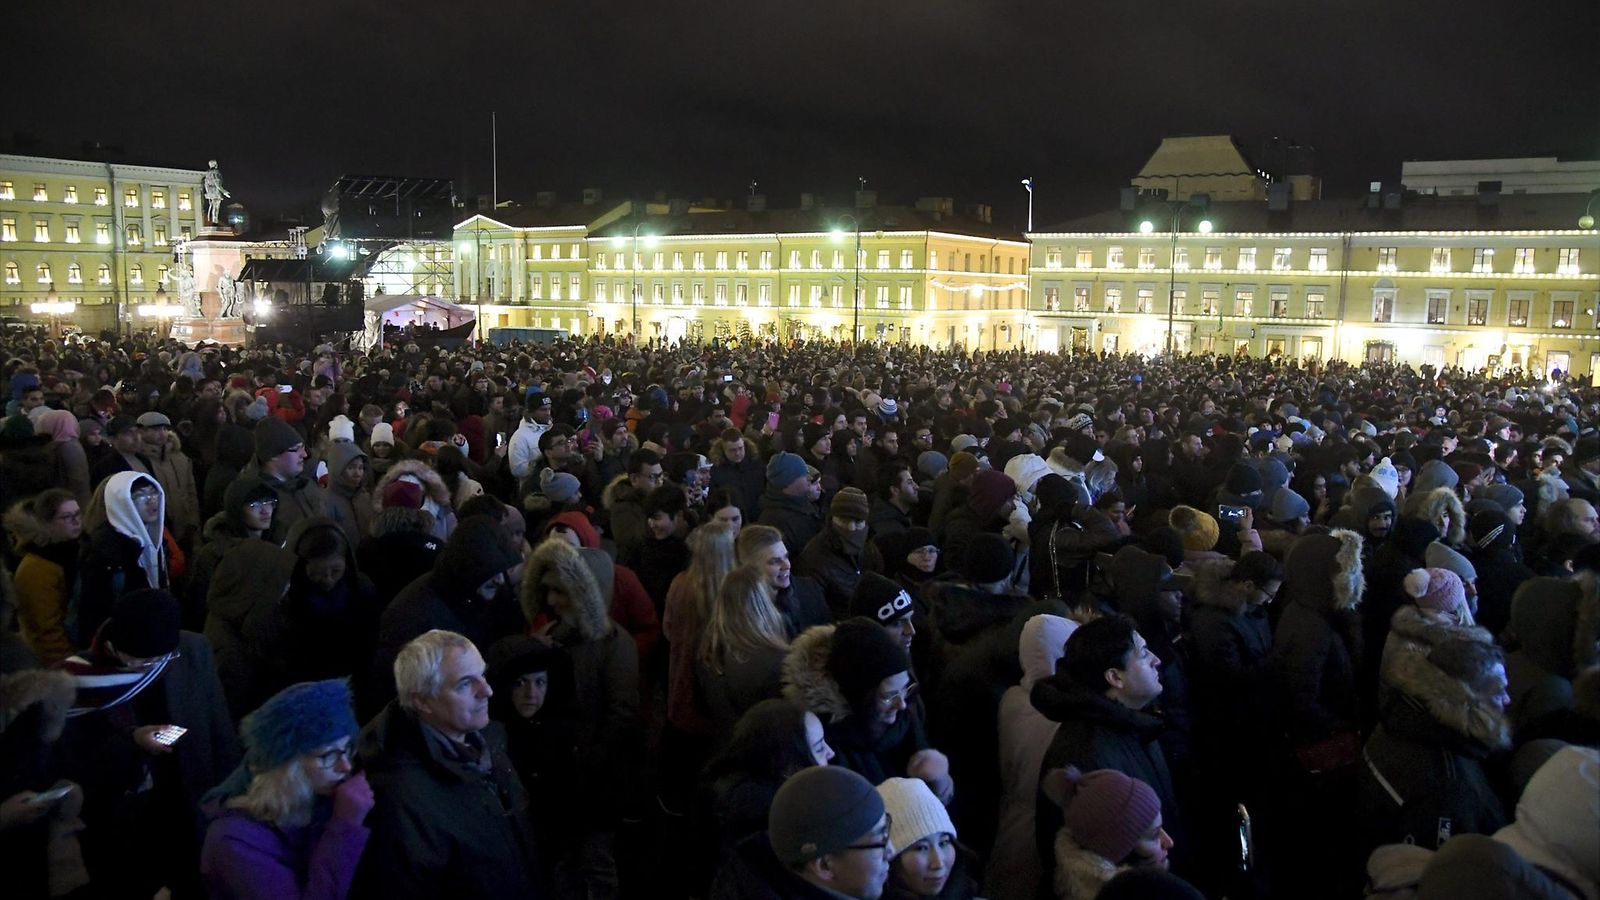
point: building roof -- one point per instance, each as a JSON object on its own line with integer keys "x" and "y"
{"x": 1415, "y": 213}
{"x": 558, "y": 215}
{"x": 804, "y": 221}
{"x": 91, "y": 153}
{"x": 1198, "y": 156}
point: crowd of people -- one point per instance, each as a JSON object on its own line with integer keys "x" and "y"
{"x": 593, "y": 620}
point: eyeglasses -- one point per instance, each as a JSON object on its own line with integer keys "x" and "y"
{"x": 903, "y": 695}
{"x": 258, "y": 505}
{"x": 882, "y": 838}
{"x": 145, "y": 496}
{"x": 73, "y": 516}
{"x": 331, "y": 759}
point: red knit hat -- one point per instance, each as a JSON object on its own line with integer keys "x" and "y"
{"x": 402, "y": 493}
{"x": 991, "y": 489}
{"x": 1106, "y": 812}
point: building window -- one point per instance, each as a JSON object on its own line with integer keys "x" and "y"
{"x": 1440, "y": 260}
{"x": 742, "y": 260}
{"x": 1281, "y": 257}
{"x": 1052, "y": 298}
{"x": 906, "y": 259}
{"x": 130, "y": 197}
{"x": 102, "y": 232}
{"x": 883, "y": 259}
{"x": 766, "y": 259}
{"x": 134, "y": 237}
{"x": 658, "y": 261}
{"x": 1113, "y": 299}
{"x": 103, "y": 274}
{"x": 658, "y": 293}
{"x": 1315, "y": 301}
{"x": 620, "y": 291}
{"x": 933, "y": 259}
{"x": 184, "y": 203}
{"x": 1213, "y": 258}
{"x": 41, "y": 193}
{"x": 100, "y": 197}
{"x": 1517, "y": 316}
{"x": 966, "y": 262}
{"x": 1080, "y": 299}
{"x": 161, "y": 274}
{"x": 43, "y": 272}
{"x": 600, "y": 262}
{"x": 41, "y": 232}
{"x": 1209, "y": 300}
{"x": 905, "y": 296}
{"x": 764, "y": 294}
{"x": 13, "y": 273}
{"x": 1143, "y": 299}
{"x": 8, "y": 191}
{"x": 575, "y": 286}
{"x": 794, "y": 295}
{"x": 536, "y": 287}
{"x": 1477, "y": 309}
{"x": 677, "y": 260}
{"x": 1085, "y": 257}
{"x": 160, "y": 234}
{"x": 158, "y": 199}
{"x": 699, "y": 260}
{"x": 883, "y": 296}
{"x": 1567, "y": 261}
{"x": 1244, "y": 301}
{"x": 837, "y": 261}
{"x": 722, "y": 260}
{"x": 1522, "y": 262}
{"x": 599, "y": 290}
{"x": 1180, "y": 258}
{"x": 1388, "y": 259}
{"x": 619, "y": 261}
{"x": 1561, "y": 314}
{"x": 794, "y": 259}
{"x": 69, "y": 194}
{"x": 1114, "y": 257}
{"x": 73, "y": 237}
{"x": 573, "y": 253}
{"x": 741, "y": 294}
{"x": 1278, "y": 303}
{"x": 1438, "y": 308}
{"x": 1247, "y": 259}
{"x": 1483, "y": 259}
{"x": 8, "y": 229}
{"x": 1179, "y": 297}
{"x": 697, "y": 294}
{"x": 1319, "y": 259}
{"x": 1147, "y": 257}
{"x": 555, "y": 287}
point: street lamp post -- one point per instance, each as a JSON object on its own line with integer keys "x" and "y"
{"x": 634, "y": 287}
{"x": 1147, "y": 227}
{"x": 855, "y": 298}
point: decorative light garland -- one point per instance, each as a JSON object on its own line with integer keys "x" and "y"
{"x": 978, "y": 288}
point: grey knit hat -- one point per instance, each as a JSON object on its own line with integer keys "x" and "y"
{"x": 1287, "y": 505}
{"x": 821, "y": 810}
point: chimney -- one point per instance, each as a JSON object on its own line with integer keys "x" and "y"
{"x": 939, "y": 206}
{"x": 1489, "y": 193}
{"x": 677, "y": 206}
{"x": 1392, "y": 195}
{"x": 1374, "y": 194}
{"x": 1278, "y": 196}
{"x": 808, "y": 201}
{"x": 756, "y": 203}
{"x": 866, "y": 199}
{"x": 544, "y": 199}
{"x": 591, "y": 196}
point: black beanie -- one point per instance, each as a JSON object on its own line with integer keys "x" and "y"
{"x": 476, "y": 552}
{"x": 143, "y": 624}
{"x": 274, "y": 436}
{"x": 1243, "y": 479}
{"x": 880, "y": 599}
{"x": 988, "y": 558}
{"x": 861, "y": 655}
{"x": 1165, "y": 542}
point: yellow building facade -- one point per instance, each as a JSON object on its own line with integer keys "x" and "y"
{"x": 98, "y": 235}
{"x": 1507, "y": 281}
{"x": 923, "y": 275}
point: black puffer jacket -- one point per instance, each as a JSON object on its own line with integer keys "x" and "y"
{"x": 1317, "y": 645}
{"x": 1233, "y": 693}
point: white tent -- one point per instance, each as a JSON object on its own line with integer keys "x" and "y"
{"x": 408, "y": 309}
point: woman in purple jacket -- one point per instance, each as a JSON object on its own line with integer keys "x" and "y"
{"x": 288, "y": 822}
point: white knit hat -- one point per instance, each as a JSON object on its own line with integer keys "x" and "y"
{"x": 340, "y": 428}
{"x": 914, "y": 812}
{"x": 383, "y": 433}
{"x": 1025, "y": 469}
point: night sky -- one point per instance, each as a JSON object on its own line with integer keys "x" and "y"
{"x": 697, "y": 98}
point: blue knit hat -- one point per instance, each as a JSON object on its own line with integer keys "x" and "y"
{"x": 784, "y": 468}
{"x": 298, "y": 719}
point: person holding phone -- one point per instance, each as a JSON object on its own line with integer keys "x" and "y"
{"x": 38, "y": 812}
{"x": 289, "y": 822}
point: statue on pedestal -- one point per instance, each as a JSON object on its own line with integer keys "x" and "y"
{"x": 228, "y": 292}
{"x": 211, "y": 186}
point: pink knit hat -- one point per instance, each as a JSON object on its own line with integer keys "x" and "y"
{"x": 1438, "y": 590}
{"x": 1105, "y": 811}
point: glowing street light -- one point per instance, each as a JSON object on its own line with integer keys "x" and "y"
{"x": 1146, "y": 226}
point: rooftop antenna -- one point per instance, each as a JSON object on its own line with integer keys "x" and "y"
{"x": 494, "y": 164}
{"x": 752, "y": 187}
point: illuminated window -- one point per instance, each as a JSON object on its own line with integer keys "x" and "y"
{"x": 882, "y": 296}
{"x": 1522, "y": 262}
{"x": 1247, "y": 259}
{"x": 102, "y": 232}
{"x": 40, "y": 193}
{"x": 861, "y": 259}
{"x": 600, "y": 261}
{"x": 699, "y": 260}
{"x": 1477, "y": 309}
{"x": 161, "y": 274}
{"x": 1483, "y": 259}
{"x": 536, "y": 287}
{"x": 677, "y": 260}
{"x": 1147, "y": 257}
{"x": 1319, "y": 259}
{"x": 883, "y": 259}
{"x": 1180, "y": 258}
{"x": 1438, "y": 307}
{"x": 794, "y": 295}
{"x": 134, "y": 237}
{"x": 1440, "y": 260}
{"x": 41, "y": 231}
{"x": 158, "y": 199}
{"x": 933, "y": 258}
{"x": 722, "y": 260}
{"x": 1213, "y": 258}
{"x": 906, "y": 261}
{"x": 1383, "y": 306}
{"x": 1179, "y": 297}
{"x": 1210, "y": 299}
{"x": 8, "y": 191}
{"x": 1113, "y": 300}
{"x": 1315, "y": 301}
{"x": 1085, "y": 257}
{"x": 677, "y": 293}
{"x": 1388, "y": 259}
{"x": 657, "y": 261}
{"x": 103, "y": 274}
{"x": 1144, "y": 299}
{"x": 13, "y": 273}
{"x": 73, "y": 236}
{"x": 1244, "y": 301}
{"x": 8, "y": 229}
{"x": 43, "y": 273}
{"x": 719, "y": 295}
{"x": 99, "y": 196}
{"x": 741, "y": 294}
{"x": 69, "y": 194}
{"x": 184, "y": 204}
{"x": 575, "y": 286}
{"x": 1080, "y": 299}
{"x": 1517, "y": 313}
{"x": 1567, "y": 261}
{"x": 764, "y": 294}
{"x": 1052, "y": 258}
{"x": 619, "y": 261}
{"x": 765, "y": 261}
{"x": 794, "y": 259}
{"x": 160, "y": 233}
{"x": 1278, "y": 303}
{"x": 816, "y": 259}
{"x": 905, "y": 296}
{"x": 599, "y": 290}
{"x": 1052, "y": 298}
{"x": 1114, "y": 257}
{"x": 536, "y": 252}
{"x": 836, "y": 293}
{"x": 74, "y": 273}
{"x": 1561, "y": 313}
{"x": 741, "y": 261}
{"x": 697, "y": 294}
{"x": 130, "y": 197}
{"x": 658, "y": 293}
{"x": 555, "y": 287}
{"x": 572, "y": 252}
{"x": 619, "y": 292}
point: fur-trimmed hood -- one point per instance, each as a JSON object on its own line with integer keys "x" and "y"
{"x": 620, "y": 490}
{"x": 1080, "y": 873}
{"x": 1412, "y": 626}
{"x": 432, "y": 484}
{"x": 806, "y": 679}
{"x": 1212, "y": 587}
{"x": 51, "y": 690}
{"x": 25, "y": 528}
{"x": 1429, "y": 505}
{"x": 400, "y": 519}
{"x": 1324, "y": 571}
{"x": 1557, "y": 622}
{"x": 1447, "y": 700}
{"x": 582, "y": 615}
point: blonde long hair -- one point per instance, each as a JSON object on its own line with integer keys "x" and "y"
{"x": 710, "y": 560}
{"x": 743, "y": 621}
{"x": 281, "y": 796}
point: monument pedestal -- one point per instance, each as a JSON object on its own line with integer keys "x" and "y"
{"x": 230, "y": 331}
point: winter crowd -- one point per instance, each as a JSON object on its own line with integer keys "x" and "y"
{"x": 596, "y": 620}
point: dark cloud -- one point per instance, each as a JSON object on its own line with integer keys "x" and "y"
{"x": 698, "y": 97}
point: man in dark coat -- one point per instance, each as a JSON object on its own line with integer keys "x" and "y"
{"x": 840, "y": 553}
{"x": 280, "y": 463}
{"x": 1098, "y": 694}
{"x": 740, "y": 472}
{"x": 451, "y": 818}
{"x": 786, "y": 505}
